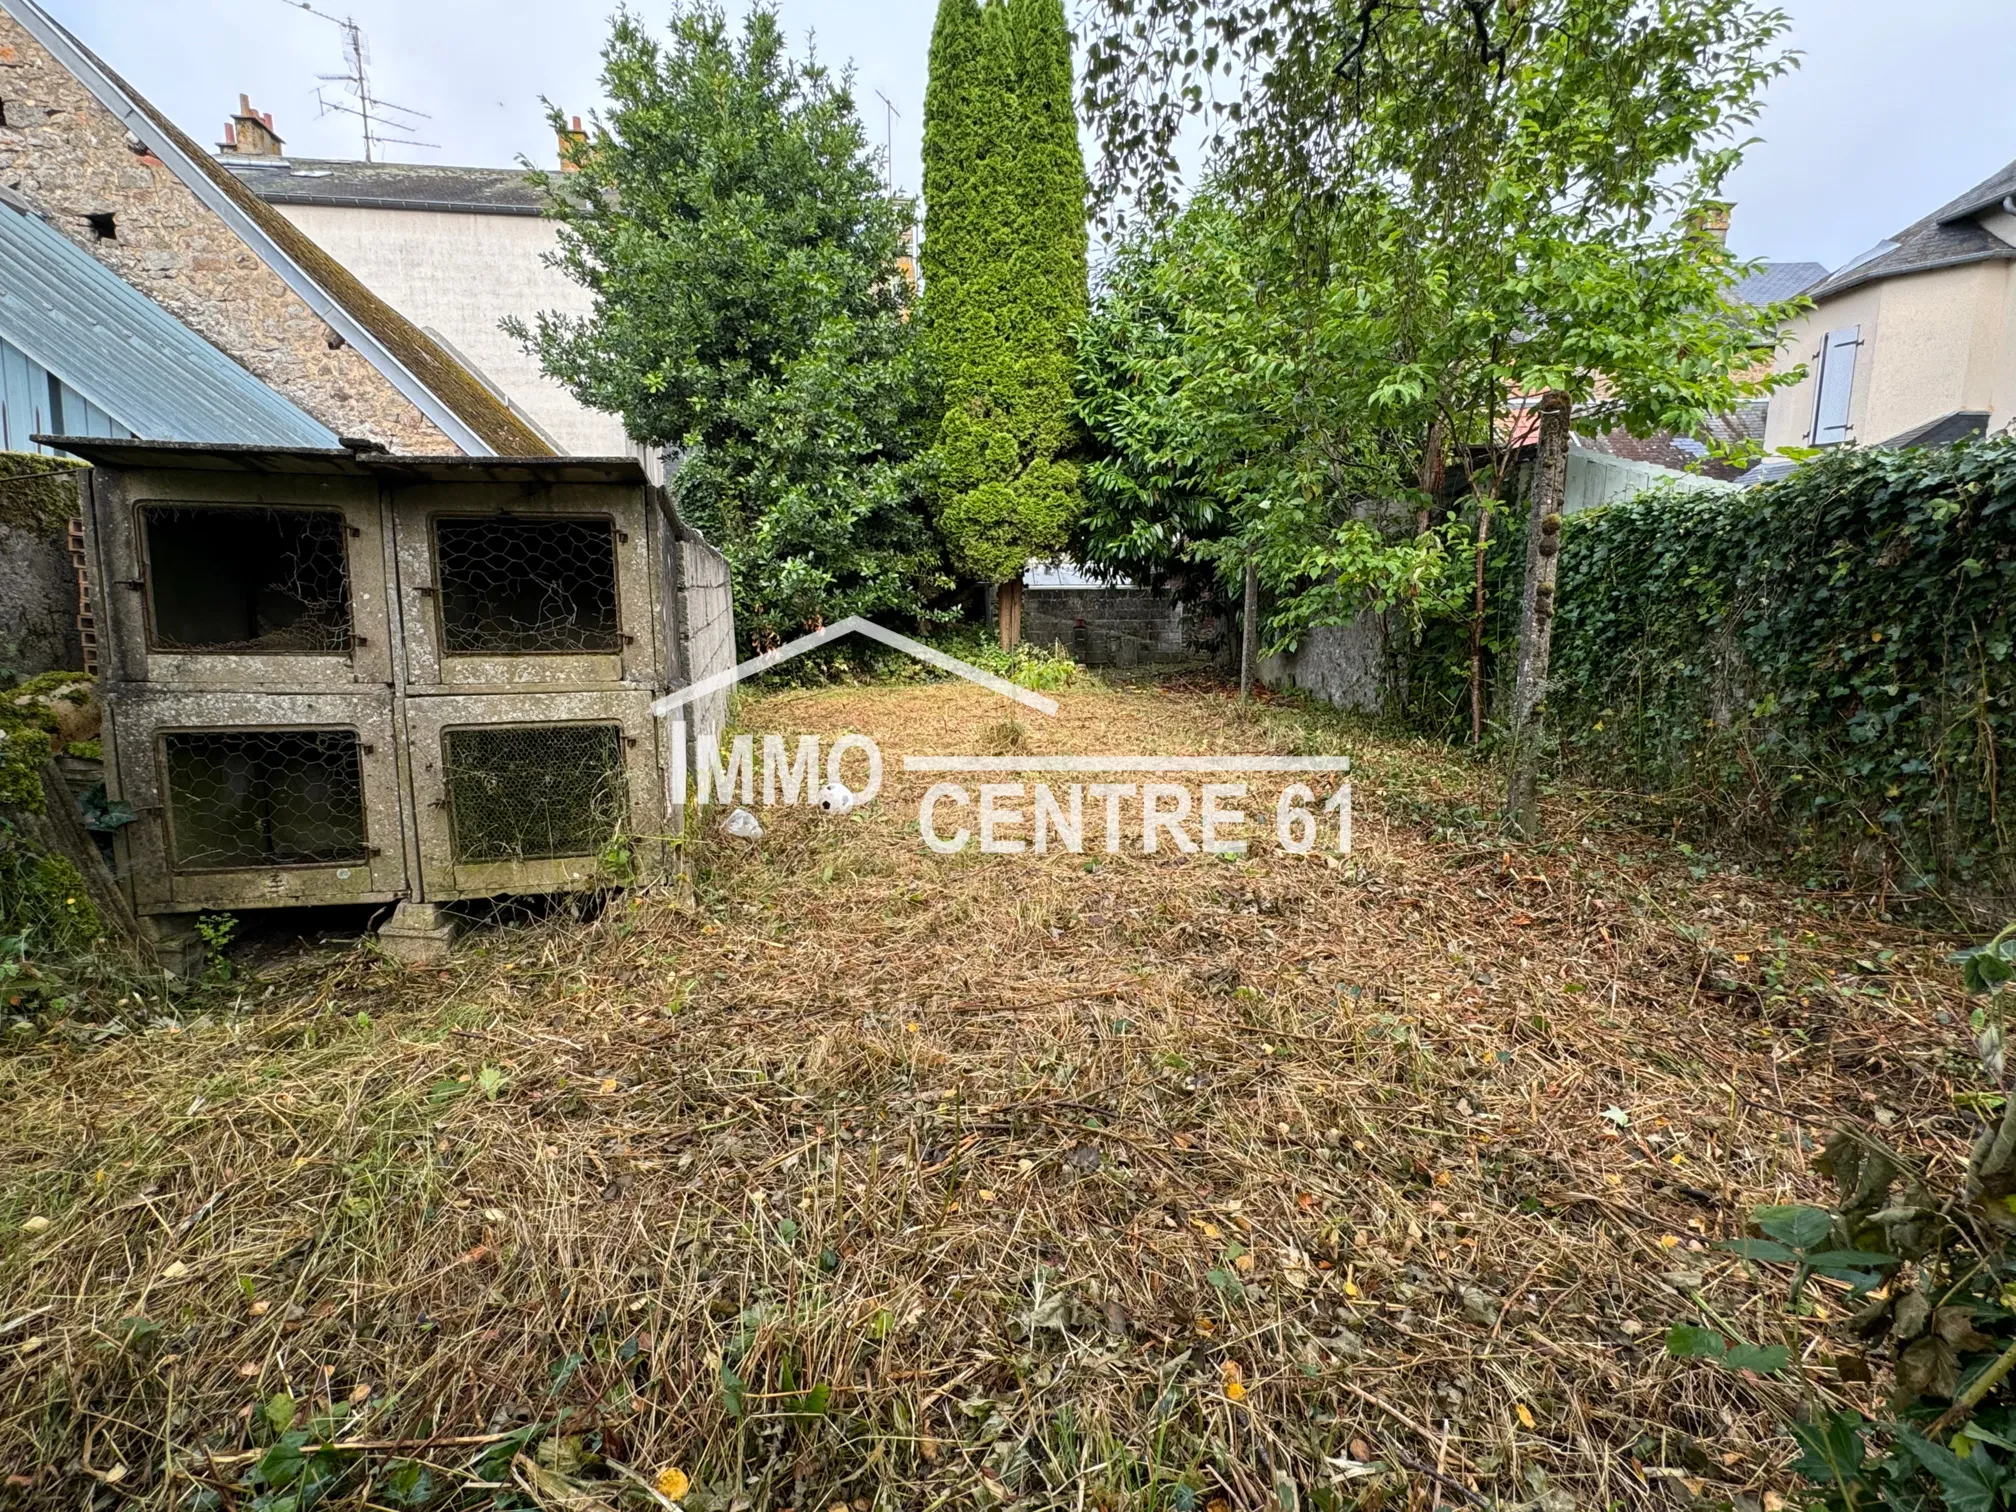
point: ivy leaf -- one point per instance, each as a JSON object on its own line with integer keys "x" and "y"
{"x": 1849, "y": 1258}
{"x": 1832, "y": 1450}
{"x": 1970, "y": 1484}
{"x": 1764, "y": 1359}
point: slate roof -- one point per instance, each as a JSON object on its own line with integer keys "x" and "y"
{"x": 387, "y": 186}
{"x": 1947, "y": 238}
{"x": 439, "y": 386}
{"x": 1779, "y": 281}
{"x": 76, "y": 318}
{"x": 1687, "y": 454}
{"x": 1947, "y": 430}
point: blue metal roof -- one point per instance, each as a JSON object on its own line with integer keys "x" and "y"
{"x": 74, "y": 317}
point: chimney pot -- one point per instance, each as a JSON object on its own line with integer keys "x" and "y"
{"x": 244, "y": 104}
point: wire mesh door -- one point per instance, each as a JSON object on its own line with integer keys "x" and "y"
{"x": 258, "y": 798}
{"x": 252, "y": 800}
{"x": 534, "y": 792}
{"x": 500, "y": 591}
{"x": 246, "y": 580}
{"x": 208, "y": 580}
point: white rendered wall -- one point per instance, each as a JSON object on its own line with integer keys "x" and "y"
{"x": 459, "y": 276}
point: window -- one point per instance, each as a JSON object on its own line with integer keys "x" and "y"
{"x": 1837, "y": 386}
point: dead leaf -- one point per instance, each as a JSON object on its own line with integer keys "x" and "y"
{"x": 1525, "y": 1414}
{"x": 175, "y": 1271}
{"x": 35, "y": 1225}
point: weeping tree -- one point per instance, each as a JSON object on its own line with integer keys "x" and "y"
{"x": 1004, "y": 284}
{"x": 1521, "y": 186}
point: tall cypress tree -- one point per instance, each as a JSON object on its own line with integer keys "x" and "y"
{"x": 1004, "y": 281}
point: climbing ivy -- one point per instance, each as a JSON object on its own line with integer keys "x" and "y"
{"x": 1830, "y": 654}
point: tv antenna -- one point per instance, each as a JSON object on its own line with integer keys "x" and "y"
{"x": 380, "y": 118}
{"x": 889, "y": 145}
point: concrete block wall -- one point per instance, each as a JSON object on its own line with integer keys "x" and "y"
{"x": 707, "y": 632}
{"x": 1342, "y": 664}
{"x": 1106, "y": 627}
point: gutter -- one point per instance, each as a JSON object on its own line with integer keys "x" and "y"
{"x": 92, "y": 74}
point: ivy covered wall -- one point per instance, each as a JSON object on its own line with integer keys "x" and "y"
{"x": 1829, "y": 656}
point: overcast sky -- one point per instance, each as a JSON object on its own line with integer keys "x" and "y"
{"x": 1897, "y": 108}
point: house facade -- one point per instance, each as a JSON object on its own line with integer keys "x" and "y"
{"x": 1914, "y": 342}
{"x": 454, "y": 250}
{"x": 94, "y": 161}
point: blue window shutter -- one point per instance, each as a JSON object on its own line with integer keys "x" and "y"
{"x": 1837, "y": 386}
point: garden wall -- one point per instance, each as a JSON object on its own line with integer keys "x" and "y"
{"x": 1828, "y": 657}
{"x": 38, "y": 584}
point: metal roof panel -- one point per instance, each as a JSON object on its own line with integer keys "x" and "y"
{"x": 127, "y": 355}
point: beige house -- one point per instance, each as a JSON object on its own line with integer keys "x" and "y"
{"x": 1914, "y": 342}
{"x": 454, "y": 250}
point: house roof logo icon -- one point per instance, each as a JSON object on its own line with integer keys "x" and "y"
{"x": 854, "y": 624}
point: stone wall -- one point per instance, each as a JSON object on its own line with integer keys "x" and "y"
{"x": 1341, "y": 664}
{"x": 1106, "y": 627}
{"x": 71, "y": 159}
{"x": 38, "y": 583}
{"x": 38, "y": 603}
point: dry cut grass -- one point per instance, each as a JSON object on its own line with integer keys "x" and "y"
{"x": 871, "y": 1176}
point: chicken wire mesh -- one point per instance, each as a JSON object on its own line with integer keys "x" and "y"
{"x": 224, "y": 578}
{"x": 243, "y": 798}
{"x": 533, "y": 792}
{"x": 511, "y": 586}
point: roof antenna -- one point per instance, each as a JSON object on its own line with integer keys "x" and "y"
{"x": 889, "y": 147}
{"x": 380, "y": 117}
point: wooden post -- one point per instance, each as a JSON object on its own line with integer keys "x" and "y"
{"x": 1484, "y": 503}
{"x": 1249, "y": 633}
{"x": 1536, "y": 618}
{"x": 1008, "y": 604}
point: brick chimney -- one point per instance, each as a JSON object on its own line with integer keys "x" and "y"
{"x": 251, "y": 134}
{"x": 1712, "y": 219}
{"x": 571, "y": 142}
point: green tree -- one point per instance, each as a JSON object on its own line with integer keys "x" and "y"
{"x": 750, "y": 315}
{"x": 1005, "y": 282}
{"x": 1489, "y": 201}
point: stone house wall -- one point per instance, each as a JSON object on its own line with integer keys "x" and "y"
{"x": 72, "y": 160}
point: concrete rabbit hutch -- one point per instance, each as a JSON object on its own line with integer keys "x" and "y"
{"x": 351, "y": 677}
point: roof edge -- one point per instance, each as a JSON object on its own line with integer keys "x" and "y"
{"x": 1877, "y": 275}
{"x": 95, "y": 77}
{"x": 364, "y": 202}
